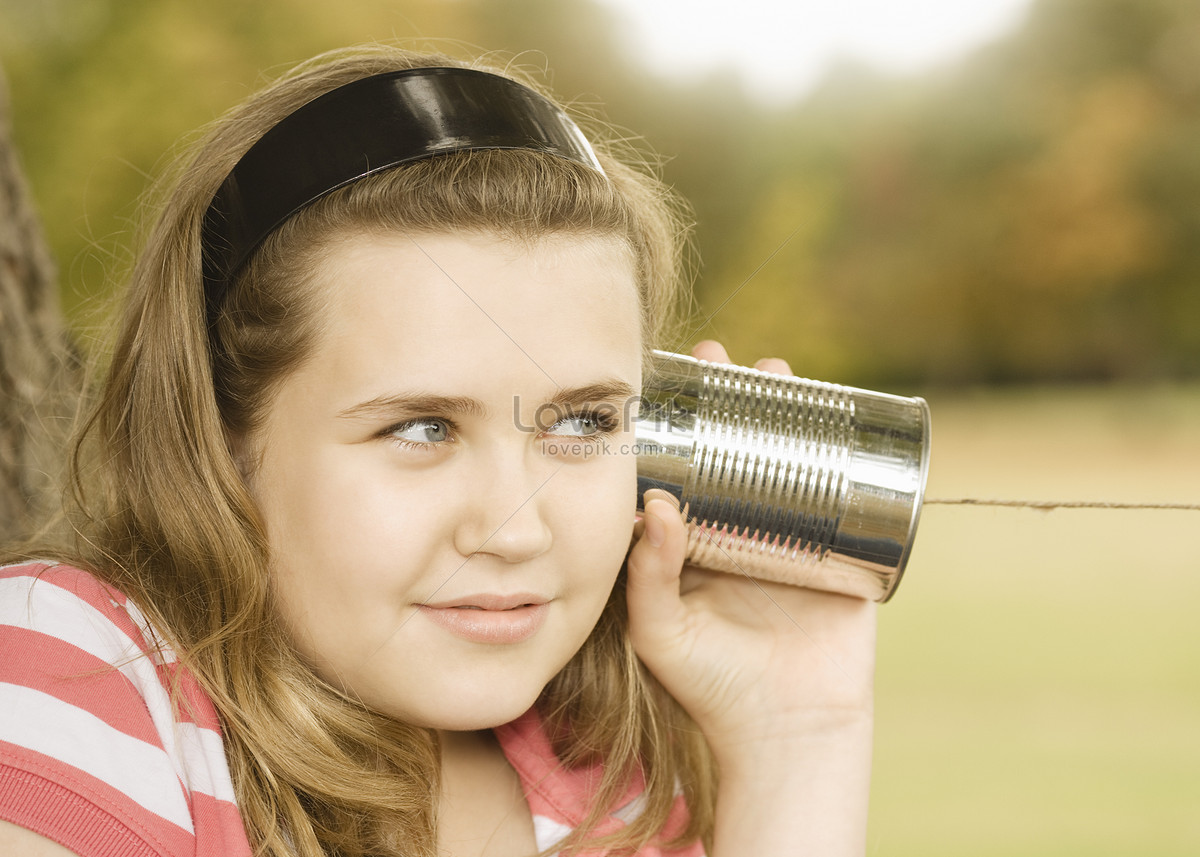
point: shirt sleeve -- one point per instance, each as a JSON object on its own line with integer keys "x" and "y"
{"x": 95, "y": 752}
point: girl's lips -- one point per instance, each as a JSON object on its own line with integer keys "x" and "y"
{"x": 489, "y": 619}
{"x": 491, "y": 601}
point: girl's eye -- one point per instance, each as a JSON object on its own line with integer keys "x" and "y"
{"x": 421, "y": 431}
{"x": 582, "y": 425}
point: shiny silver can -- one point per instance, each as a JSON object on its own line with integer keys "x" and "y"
{"x": 786, "y": 479}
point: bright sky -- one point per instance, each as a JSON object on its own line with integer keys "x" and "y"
{"x": 783, "y": 46}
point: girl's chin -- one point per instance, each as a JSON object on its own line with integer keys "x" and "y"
{"x": 473, "y": 716}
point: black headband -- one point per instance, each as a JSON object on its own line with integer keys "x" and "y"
{"x": 364, "y": 127}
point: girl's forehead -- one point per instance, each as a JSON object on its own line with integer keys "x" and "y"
{"x": 558, "y": 274}
{"x": 418, "y": 303}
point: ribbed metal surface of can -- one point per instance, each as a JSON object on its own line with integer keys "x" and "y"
{"x": 783, "y": 478}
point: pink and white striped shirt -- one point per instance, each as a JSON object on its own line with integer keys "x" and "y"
{"x": 94, "y": 752}
{"x": 98, "y": 755}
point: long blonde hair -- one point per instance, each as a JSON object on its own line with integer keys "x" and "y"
{"x": 164, "y": 515}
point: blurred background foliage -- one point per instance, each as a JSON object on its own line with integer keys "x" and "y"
{"x": 1028, "y": 213}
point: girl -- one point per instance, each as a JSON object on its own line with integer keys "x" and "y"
{"x": 355, "y": 569}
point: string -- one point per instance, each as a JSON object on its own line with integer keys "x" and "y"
{"x": 1048, "y": 505}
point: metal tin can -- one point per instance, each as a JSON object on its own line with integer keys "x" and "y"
{"x": 786, "y": 479}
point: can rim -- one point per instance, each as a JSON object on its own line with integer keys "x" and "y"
{"x": 918, "y": 498}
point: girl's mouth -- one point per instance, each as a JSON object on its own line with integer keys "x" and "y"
{"x": 490, "y": 619}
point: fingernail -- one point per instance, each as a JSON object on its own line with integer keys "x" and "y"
{"x": 656, "y": 530}
{"x": 658, "y": 493}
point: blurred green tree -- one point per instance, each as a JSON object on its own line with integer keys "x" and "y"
{"x": 1023, "y": 215}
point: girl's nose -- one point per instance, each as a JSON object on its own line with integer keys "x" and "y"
{"x": 506, "y": 517}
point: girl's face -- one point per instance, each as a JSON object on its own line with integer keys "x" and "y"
{"x": 447, "y": 482}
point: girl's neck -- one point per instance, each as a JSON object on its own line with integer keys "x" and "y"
{"x": 482, "y": 812}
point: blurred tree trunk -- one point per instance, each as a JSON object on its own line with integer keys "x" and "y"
{"x": 38, "y": 369}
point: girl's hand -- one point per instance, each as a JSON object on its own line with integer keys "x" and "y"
{"x": 779, "y": 678}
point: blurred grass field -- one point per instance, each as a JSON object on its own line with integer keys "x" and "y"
{"x": 1039, "y": 672}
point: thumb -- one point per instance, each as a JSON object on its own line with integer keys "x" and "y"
{"x": 656, "y": 613}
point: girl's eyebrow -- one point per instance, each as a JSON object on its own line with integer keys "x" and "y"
{"x": 385, "y": 407}
{"x": 608, "y": 390}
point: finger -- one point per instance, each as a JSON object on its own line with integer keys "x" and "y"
{"x": 655, "y": 562}
{"x": 712, "y": 351}
{"x": 774, "y": 365}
